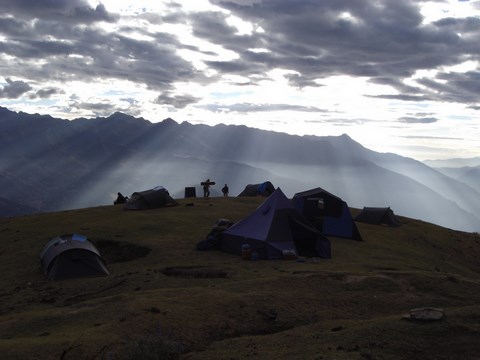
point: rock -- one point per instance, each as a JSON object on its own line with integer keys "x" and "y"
{"x": 425, "y": 314}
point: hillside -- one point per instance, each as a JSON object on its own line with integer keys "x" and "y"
{"x": 164, "y": 295}
{"x": 468, "y": 175}
{"x": 52, "y": 164}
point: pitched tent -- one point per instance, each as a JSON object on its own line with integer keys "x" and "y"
{"x": 274, "y": 227}
{"x": 264, "y": 189}
{"x": 150, "y": 199}
{"x": 71, "y": 256}
{"x": 378, "y": 216}
{"x": 328, "y": 212}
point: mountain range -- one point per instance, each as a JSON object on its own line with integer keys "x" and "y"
{"x": 50, "y": 164}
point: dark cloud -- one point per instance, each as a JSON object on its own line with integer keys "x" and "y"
{"x": 300, "y": 81}
{"x": 72, "y": 11}
{"x": 384, "y": 41}
{"x": 14, "y": 89}
{"x": 469, "y": 25}
{"x": 402, "y": 97}
{"x": 177, "y": 101}
{"x": 50, "y": 42}
{"x": 233, "y": 67}
{"x": 89, "y": 53}
{"x": 46, "y": 93}
{"x": 397, "y": 84}
{"x": 457, "y": 87}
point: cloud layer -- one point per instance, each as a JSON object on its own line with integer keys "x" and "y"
{"x": 242, "y": 57}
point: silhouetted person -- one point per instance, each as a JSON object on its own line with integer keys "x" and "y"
{"x": 206, "y": 188}
{"x": 225, "y": 190}
{"x": 120, "y": 199}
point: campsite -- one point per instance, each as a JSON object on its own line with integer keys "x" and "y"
{"x": 164, "y": 299}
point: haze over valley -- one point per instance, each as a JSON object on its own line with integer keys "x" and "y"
{"x": 51, "y": 164}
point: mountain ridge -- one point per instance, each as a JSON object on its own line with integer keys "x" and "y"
{"x": 84, "y": 162}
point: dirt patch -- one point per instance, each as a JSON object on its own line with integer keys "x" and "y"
{"x": 114, "y": 251}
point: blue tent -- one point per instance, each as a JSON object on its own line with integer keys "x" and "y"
{"x": 328, "y": 212}
{"x": 273, "y": 228}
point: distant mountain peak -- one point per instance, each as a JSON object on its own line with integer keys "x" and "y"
{"x": 169, "y": 121}
{"x": 119, "y": 116}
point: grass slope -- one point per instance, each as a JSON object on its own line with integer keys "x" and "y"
{"x": 218, "y": 306}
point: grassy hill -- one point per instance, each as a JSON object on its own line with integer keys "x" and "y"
{"x": 165, "y": 297}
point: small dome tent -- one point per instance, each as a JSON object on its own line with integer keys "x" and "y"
{"x": 150, "y": 199}
{"x": 378, "y": 216}
{"x": 71, "y": 256}
{"x": 263, "y": 189}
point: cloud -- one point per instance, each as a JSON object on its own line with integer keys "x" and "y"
{"x": 14, "y": 89}
{"x": 458, "y": 87}
{"x": 403, "y": 97}
{"x": 46, "y": 47}
{"x": 177, "y": 101}
{"x": 301, "y": 81}
{"x": 105, "y": 108}
{"x": 431, "y": 137}
{"x": 254, "y": 107}
{"x": 46, "y": 93}
{"x": 417, "y": 120}
{"x": 385, "y": 41}
{"x": 342, "y": 121}
{"x": 97, "y": 108}
{"x": 422, "y": 114}
{"x": 72, "y": 11}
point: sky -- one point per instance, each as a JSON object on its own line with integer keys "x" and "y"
{"x": 396, "y": 76}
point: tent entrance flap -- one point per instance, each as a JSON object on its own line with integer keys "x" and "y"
{"x": 308, "y": 240}
{"x": 329, "y": 213}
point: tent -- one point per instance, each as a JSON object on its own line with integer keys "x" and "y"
{"x": 328, "y": 212}
{"x": 378, "y": 216}
{"x": 71, "y": 256}
{"x": 263, "y": 189}
{"x": 150, "y": 199}
{"x": 273, "y": 229}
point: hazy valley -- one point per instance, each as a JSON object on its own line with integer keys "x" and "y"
{"x": 50, "y": 164}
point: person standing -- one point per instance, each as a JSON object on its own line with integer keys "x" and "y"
{"x": 206, "y": 188}
{"x": 225, "y": 190}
